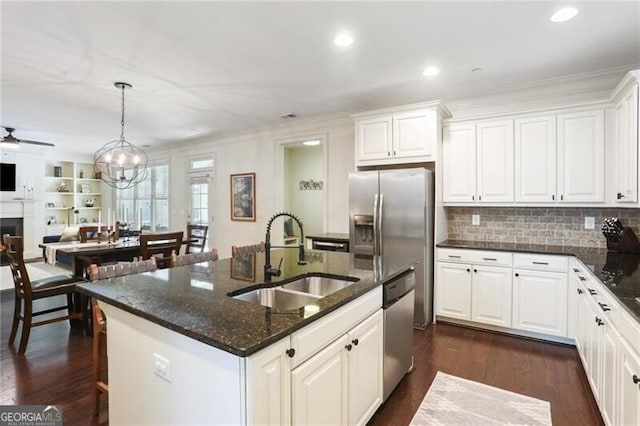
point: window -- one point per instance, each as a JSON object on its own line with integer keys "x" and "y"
{"x": 200, "y": 189}
{"x": 148, "y": 202}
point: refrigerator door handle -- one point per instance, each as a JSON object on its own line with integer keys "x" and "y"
{"x": 380, "y": 205}
{"x": 375, "y": 224}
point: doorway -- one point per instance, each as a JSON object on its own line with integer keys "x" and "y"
{"x": 304, "y": 182}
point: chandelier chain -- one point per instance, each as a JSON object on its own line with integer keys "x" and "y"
{"x": 122, "y": 119}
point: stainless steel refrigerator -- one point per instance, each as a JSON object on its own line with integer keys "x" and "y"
{"x": 391, "y": 214}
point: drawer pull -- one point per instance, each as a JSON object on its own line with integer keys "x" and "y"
{"x": 636, "y": 379}
{"x": 580, "y": 291}
{"x": 604, "y": 306}
{"x": 581, "y": 278}
{"x": 468, "y": 270}
{"x": 599, "y": 321}
{"x": 540, "y": 263}
{"x": 290, "y": 352}
{"x": 490, "y": 258}
{"x": 348, "y": 347}
{"x": 453, "y": 257}
{"x": 355, "y": 342}
{"x": 576, "y": 270}
{"x": 517, "y": 274}
{"x": 592, "y": 291}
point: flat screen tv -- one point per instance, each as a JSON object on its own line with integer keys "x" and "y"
{"x": 7, "y": 177}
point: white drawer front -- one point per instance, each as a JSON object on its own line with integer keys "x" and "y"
{"x": 455, "y": 255}
{"x": 492, "y": 258}
{"x": 309, "y": 340}
{"x": 541, "y": 262}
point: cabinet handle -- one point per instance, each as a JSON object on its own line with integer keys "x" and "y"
{"x": 475, "y": 270}
{"x": 291, "y": 352}
{"x": 489, "y": 258}
{"x": 581, "y": 278}
{"x": 620, "y": 195}
{"x": 517, "y": 274}
{"x": 355, "y": 342}
{"x": 388, "y": 153}
{"x": 453, "y": 256}
{"x": 592, "y": 291}
{"x": 540, "y": 263}
{"x": 599, "y": 321}
{"x": 479, "y": 197}
{"x": 576, "y": 270}
{"x": 348, "y": 347}
{"x": 604, "y": 306}
{"x": 394, "y": 152}
{"x": 473, "y": 197}
{"x": 553, "y": 197}
{"x": 468, "y": 270}
{"x": 580, "y": 291}
{"x": 636, "y": 379}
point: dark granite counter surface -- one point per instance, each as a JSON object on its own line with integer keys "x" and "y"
{"x": 193, "y": 300}
{"x": 332, "y": 237}
{"x": 619, "y": 272}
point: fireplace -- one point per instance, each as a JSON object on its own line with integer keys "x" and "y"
{"x": 11, "y": 226}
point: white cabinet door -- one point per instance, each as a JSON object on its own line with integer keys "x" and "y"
{"x": 494, "y": 153}
{"x": 373, "y": 139}
{"x": 365, "y": 355}
{"x": 581, "y": 156}
{"x": 415, "y": 134}
{"x": 583, "y": 324}
{"x": 629, "y": 386}
{"x": 491, "y": 295}
{"x": 535, "y": 159}
{"x": 626, "y": 113}
{"x": 269, "y": 385}
{"x": 453, "y": 290}
{"x": 459, "y": 168}
{"x": 319, "y": 387}
{"x": 609, "y": 377}
{"x": 540, "y": 302}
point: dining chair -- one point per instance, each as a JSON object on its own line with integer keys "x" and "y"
{"x": 191, "y": 258}
{"x": 99, "y": 323}
{"x": 196, "y": 236}
{"x": 27, "y": 291}
{"x": 88, "y": 233}
{"x": 163, "y": 244}
{"x": 253, "y": 248}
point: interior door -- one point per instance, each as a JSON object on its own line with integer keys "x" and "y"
{"x": 200, "y": 201}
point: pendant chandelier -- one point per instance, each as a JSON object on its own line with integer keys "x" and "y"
{"x": 120, "y": 163}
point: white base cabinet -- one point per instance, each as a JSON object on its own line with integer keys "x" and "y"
{"x": 629, "y": 386}
{"x": 491, "y": 295}
{"x": 454, "y": 290}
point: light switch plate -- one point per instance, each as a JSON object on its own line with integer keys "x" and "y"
{"x": 475, "y": 219}
{"x": 589, "y": 222}
{"x": 162, "y": 367}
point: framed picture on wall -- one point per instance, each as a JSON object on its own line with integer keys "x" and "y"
{"x": 243, "y": 197}
{"x": 243, "y": 267}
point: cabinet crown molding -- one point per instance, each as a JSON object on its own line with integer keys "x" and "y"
{"x": 631, "y": 78}
{"x": 442, "y": 110}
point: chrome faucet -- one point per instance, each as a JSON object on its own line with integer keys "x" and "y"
{"x": 275, "y": 272}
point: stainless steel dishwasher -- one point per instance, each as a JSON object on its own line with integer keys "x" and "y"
{"x": 397, "y": 304}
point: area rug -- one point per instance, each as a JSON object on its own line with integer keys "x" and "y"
{"x": 453, "y": 400}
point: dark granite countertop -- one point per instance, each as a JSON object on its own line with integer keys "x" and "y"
{"x": 332, "y": 237}
{"x": 193, "y": 300}
{"x": 619, "y": 272}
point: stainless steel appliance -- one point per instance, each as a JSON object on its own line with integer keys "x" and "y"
{"x": 397, "y": 305}
{"x": 391, "y": 214}
{"x": 330, "y": 246}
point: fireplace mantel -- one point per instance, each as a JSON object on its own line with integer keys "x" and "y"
{"x": 25, "y": 209}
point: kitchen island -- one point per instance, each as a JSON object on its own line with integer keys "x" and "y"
{"x": 181, "y": 350}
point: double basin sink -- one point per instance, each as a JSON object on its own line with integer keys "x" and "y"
{"x": 295, "y": 294}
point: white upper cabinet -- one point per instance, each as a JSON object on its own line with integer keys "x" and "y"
{"x": 581, "y": 156}
{"x": 408, "y": 134}
{"x": 459, "y": 163}
{"x": 626, "y": 139}
{"x": 535, "y": 159}
{"x": 494, "y": 156}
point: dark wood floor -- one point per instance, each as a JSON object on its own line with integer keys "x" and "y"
{"x": 56, "y": 369}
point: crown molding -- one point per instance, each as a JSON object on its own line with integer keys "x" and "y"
{"x": 631, "y": 78}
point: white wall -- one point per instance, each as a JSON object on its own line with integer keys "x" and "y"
{"x": 257, "y": 151}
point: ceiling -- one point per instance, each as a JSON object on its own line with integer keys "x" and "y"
{"x": 210, "y": 68}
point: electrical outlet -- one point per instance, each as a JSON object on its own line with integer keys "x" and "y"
{"x": 589, "y": 222}
{"x": 162, "y": 367}
{"x": 475, "y": 219}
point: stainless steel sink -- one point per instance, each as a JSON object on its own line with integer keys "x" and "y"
{"x": 317, "y": 286}
{"x": 277, "y": 298}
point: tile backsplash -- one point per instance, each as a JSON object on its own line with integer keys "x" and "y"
{"x": 536, "y": 225}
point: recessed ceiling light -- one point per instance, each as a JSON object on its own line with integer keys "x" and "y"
{"x": 478, "y": 69}
{"x": 311, "y": 143}
{"x": 287, "y": 116}
{"x": 343, "y": 39}
{"x": 430, "y": 71}
{"x": 564, "y": 14}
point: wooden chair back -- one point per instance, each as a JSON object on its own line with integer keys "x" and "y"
{"x": 26, "y": 291}
{"x": 198, "y": 233}
{"x": 88, "y": 233}
{"x": 253, "y": 248}
{"x": 163, "y": 244}
{"x": 191, "y": 258}
{"x": 97, "y": 272}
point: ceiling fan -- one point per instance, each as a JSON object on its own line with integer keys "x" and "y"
{"x": 10, "y": 141}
